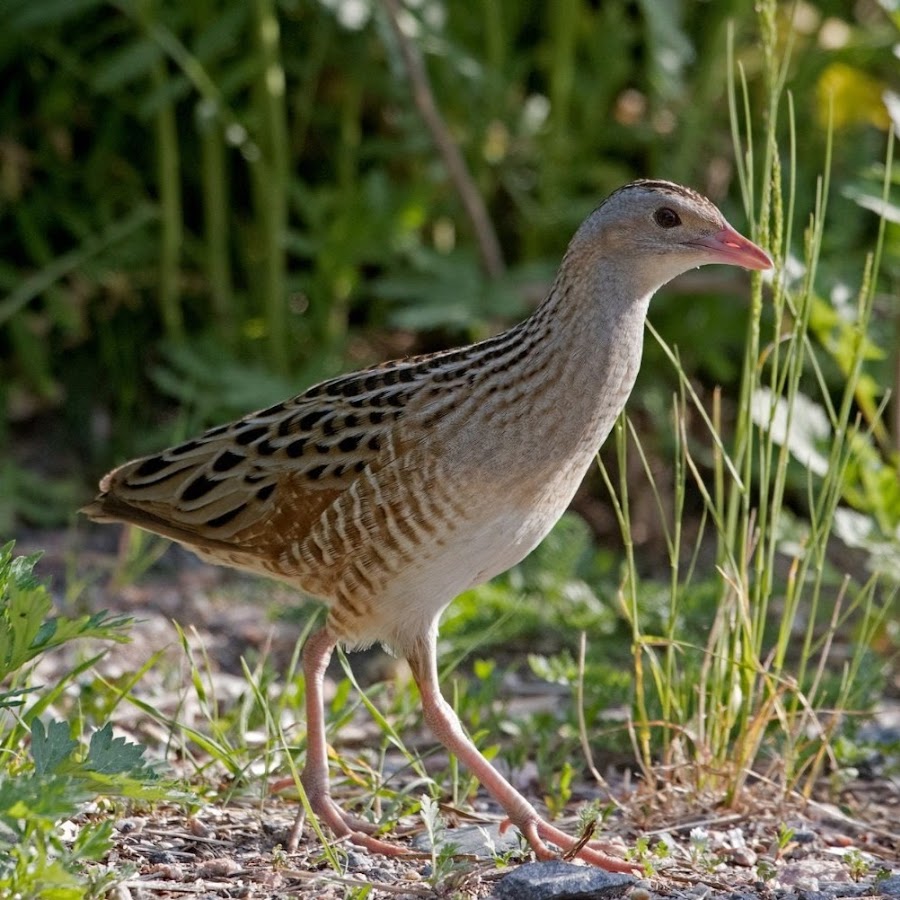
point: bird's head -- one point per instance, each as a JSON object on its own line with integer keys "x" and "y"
{"x": 657, "y": 230}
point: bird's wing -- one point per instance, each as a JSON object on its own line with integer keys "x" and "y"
{"x": 279, "y": 467}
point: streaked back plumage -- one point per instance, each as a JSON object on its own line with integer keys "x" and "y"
{"x": 387, "y": 491}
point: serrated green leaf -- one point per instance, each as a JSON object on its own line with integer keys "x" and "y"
{"x": 103, "y": 626}
{"x": 31, "y": 802}
{"x": 20, "y": 620}
{"x": 111, "y": 755}
{"x": 51, "y": 746}
{"x": 21, "y": 571}
{"x": 24, "y": 603}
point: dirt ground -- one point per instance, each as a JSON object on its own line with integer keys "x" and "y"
{"x": 840, "y": 842}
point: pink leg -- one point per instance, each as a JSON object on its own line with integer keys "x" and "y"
{"x": 316, "y": 654}
{"x": 447, "y": 729}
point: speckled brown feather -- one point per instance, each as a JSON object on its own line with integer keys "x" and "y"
{"x": 387, "y": 491}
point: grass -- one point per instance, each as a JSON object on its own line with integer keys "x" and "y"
{"x": 708, "y": 713}
{"x": 733, "y": 654}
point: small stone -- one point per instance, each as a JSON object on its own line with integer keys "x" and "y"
{"x": 120, "y": 892}
{"x": 198, "y": 829}
{"x": 166, "y": 871}
{"x": 889, "y": 887}
{"x": 220, "y": 867}
{"x": 381, "y": 874}
{"x": 844, "y": 889}
{"x": 839, "y": 840}
{"x": 558, "y": 880}
{"x": 132, "y": 825}
{"x": 357, "y": 860}
{"x": 741, "y": 856}
{"x": 804, "y": 836}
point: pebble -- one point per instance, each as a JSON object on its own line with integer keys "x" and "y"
{"x": 844, "y": 889}
{"x": 890, "y": 886}
{"x": 220, "y": 867}
{"x": 558, "y": 880}
{"x": 162, "y": 858}
{"x": 804, "y": 836}
{"x": 741, "y": 856}
{"x": 198, "y": 829}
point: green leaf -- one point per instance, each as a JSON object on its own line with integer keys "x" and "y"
{"x": 21, "y": 569}
{"x": 112, "y": 755}
{"x": 49, "y": 13}
{"x": 94, "y": 840}
{"x": 126, "y": 64}
{"x": 24, "y": 602}
{"x": 101, "y": 625}
{"x": 51, "y": 747}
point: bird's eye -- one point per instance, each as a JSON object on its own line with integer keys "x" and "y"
{"x": 666, "y": 218}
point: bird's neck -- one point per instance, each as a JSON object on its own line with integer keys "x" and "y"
{"x": 593, "y": 320}
{"x": 592, "y": 331}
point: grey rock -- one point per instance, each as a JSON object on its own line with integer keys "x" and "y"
{"x": 804, "y": 836}
{"x": 845, "y": 889}
{"x": 558, "y": 880}
{"x": 741, "y": 856}
{"x": 162, "y": 858}
{"x": 356, "y": 860}
{"x": 888, "y": 887}
{"x": 484, "y": 841}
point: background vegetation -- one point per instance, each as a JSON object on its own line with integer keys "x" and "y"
{"x": 206, "y": 207}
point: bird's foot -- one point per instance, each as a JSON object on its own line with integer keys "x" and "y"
{"x": 344, "y": 827}
{"x": 538, "y": 832}
{"x": 354, "y": 823}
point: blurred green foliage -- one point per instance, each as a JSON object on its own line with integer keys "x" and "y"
{"x": 48, "y": 772}
{"x": 207, "y": 206}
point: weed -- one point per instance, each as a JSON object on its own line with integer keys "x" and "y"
{"x": 699, "y": 849}
{"x": 856, "y": 863}
{"x": 443, "y": 863}
{"x": 784, "y": 838}
{"x": 646, "y": 856}
{"x": 718, "y": 698}
{"x": 766, "y": 870}
{"x": 47, "y": 774}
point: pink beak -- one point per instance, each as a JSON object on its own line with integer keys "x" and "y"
{"x": 734, "y": 249}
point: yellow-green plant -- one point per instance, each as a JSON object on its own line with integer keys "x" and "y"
{"x": 767, "y": 664}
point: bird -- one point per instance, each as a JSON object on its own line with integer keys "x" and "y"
{"x": 388, "y": 491}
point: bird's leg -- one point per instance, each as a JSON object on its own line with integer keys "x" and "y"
{"x": 446, "y": 727}
{"x": 316, "y": 654}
